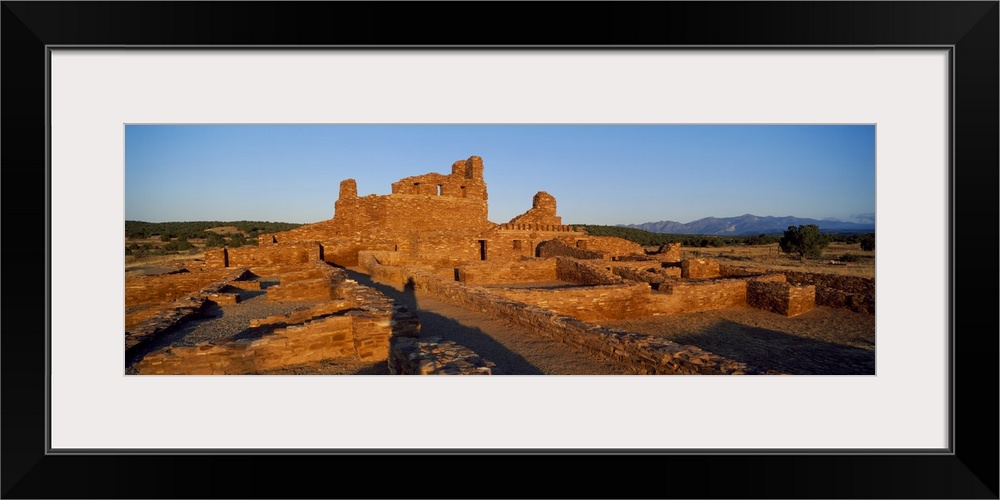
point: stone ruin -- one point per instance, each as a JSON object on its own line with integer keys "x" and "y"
{"x": 432, "y": 233}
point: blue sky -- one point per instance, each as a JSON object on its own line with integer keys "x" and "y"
{"x": 599, "y": 174}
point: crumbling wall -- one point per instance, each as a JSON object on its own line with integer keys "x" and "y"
{"x": 357, "y": 323}
{"x": 515, "y": 241}
{"x": 681, "y": 297}
{"x": 266, "y": 255}
{"x": 543, "y": 211}
{"x": 464, "y": 181}
{"x": 700, "y": 268}
{"x": 832, "y": 290}
{"x": 434, "y": 356}
{"x": 557, "y": 248}
{"x": 182, "y": 306}
{"x": 317, "y": 282}
{"x": 590, "y": 303}
{"x": 330, "y": 337}
{"x": 585, "y": 272}
{"x": 140, "y": 290}
{"x": 612, "y": 247}
{"x": 508, "y": 272}
{"x": 669, "y": 252}
{"x": 780, "y": 297}
{"x": 637, "y": 353}
{"x": 647, "y": 272}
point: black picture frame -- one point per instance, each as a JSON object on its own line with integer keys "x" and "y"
{"x": 969, "y": 28}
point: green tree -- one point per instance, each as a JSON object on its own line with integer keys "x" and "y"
{"x": 214, "y": 240}
{"x": 868, "y": 242}
{"x": 804, "y": 240}
{"x": 237, "y": 240}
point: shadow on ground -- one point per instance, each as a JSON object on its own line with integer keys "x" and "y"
{"x": 763, "y": 349}
{"x": 436, "y": 325}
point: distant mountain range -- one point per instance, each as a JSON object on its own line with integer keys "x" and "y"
{"x": 748, "y": 224}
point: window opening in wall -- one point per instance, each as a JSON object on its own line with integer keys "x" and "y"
{"x": 439, "y": 190}
{"x": 517, "y": 244}
{"x": 463, "y": 191}
{"x": 482, "y": 249}
{"x": 416, "y": 186}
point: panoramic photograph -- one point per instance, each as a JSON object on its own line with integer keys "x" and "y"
{"x": 499, "y": 249}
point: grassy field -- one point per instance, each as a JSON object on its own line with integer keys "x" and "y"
{"x": 771, "y": 256}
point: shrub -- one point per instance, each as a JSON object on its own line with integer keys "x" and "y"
{"x": 214, "y": 240}
{"x": 868, "y": 242}
{"x": 178, "y": 245}
{"x": 164, "y": 237}
{"x": 849, "y": 257}
{"x": 804, "y": 240}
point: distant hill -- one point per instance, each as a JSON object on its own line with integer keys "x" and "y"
{"x": 748, "y": 224}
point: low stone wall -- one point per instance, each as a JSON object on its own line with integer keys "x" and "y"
{"x": 434, "y": 356}
{"x": 683, "y": 297}
{"x": 357, "y": 324}
{"x": 316, "y": 282}
{"x": 590, "y": 303}
{"x": 651, "y": 272}
{"x": 140, "y": 290}
{"x": 637, "y": 353}
{"x": 264, "y": 255}
{"x": 186, "y": 307}
{"x": 523, "y": 271}
{"x": 781, "y": 297}
{"x": 832, "y": 290}
{"x": 585, "y": 272}
{"x": 556, "y": 248}
{"x": 330, "y": 337}
{"x": 611, "y": 247}
{"x": 700, "y": 268}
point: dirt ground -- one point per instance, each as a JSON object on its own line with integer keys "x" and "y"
{"x": 824, "y": 341}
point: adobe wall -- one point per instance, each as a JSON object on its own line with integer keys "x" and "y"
{"x": 637, "y": 353}
{"x": 590, "y": 303}
{"x": 434, "y": 356}
{"x": 510, "y": 272}
{"x": 543, "y": 211}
